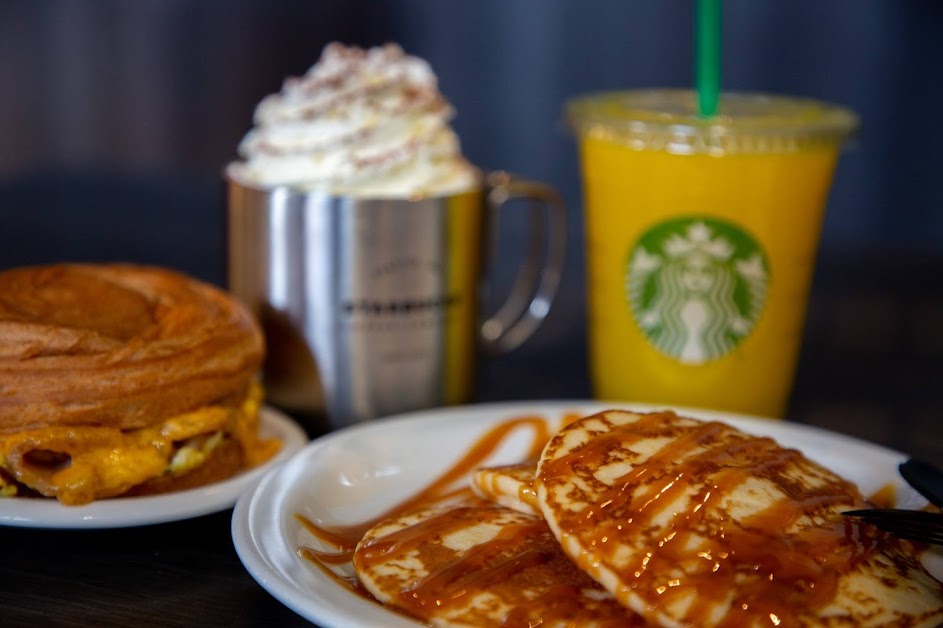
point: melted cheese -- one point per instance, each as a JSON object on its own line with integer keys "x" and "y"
{"x": 80, "y": 464}
{"x": 7, "y": 488}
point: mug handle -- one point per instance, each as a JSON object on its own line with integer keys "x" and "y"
{"x": 538, "y": 276}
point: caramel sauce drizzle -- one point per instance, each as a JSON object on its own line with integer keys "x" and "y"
{"x": 774, "y": 572}
{"x": 479, "y": 568}
{"x": 523, "y": 558}
{"x": 526, "y": 492}
{"x": 344, "y": 539}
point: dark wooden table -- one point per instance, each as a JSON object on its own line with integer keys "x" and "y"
{"x": 871, "y": 366}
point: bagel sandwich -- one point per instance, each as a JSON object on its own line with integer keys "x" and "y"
{"x": 122, "y": 380}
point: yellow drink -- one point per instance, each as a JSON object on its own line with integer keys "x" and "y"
{"x": 700, "y": 244}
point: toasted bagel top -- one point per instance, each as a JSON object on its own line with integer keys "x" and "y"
{"x": 118, "y": 345}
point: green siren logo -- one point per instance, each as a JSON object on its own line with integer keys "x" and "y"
{"x": 696, "y": 287}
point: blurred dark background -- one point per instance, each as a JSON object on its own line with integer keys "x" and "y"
{"x": 117, "y": 116}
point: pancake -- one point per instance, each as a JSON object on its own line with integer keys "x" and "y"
{"x": 697, "y": 523}
{"x": 511, "y": 486}
{"x": 481, "y": 566}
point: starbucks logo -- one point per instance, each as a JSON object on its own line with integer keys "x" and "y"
{"x": 696, "y": 287}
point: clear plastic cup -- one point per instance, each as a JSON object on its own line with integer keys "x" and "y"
{"x": 701, "y": 237}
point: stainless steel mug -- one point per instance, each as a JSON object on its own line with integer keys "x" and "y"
{"x": 371, "y": 306}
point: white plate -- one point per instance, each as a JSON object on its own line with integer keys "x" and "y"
{"x": 354, "y": 474}
{"x": 135, "y": 511}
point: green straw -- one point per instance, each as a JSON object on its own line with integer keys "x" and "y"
{"x": 707, "y": 55}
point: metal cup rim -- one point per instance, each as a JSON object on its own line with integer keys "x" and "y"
{"x": 301, "y": 190}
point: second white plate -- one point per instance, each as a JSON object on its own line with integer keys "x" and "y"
{"x": 355, "y": 474}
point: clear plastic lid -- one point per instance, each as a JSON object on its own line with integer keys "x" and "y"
{"x": 667, "y": 119}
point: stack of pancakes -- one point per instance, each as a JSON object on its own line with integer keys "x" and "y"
{"x": 650, "y": 519}
{"x": 123, "y": 380}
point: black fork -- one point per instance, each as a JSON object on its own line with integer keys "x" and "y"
{"x": 914, "y": 525}
{"x": 925, "y": 478}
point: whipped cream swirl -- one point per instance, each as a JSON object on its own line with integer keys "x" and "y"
{"x": 368, "y": 123}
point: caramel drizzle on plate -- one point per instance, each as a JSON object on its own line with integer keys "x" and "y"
{"x": 344, "y": 539}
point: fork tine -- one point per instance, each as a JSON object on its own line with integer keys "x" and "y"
{"x": 926, "y": 533}
{"x": 899, "y": 514}
{"x": 920, "y": 536}
{"x": 915, "y": 525}
{"x": 912, "y": 534}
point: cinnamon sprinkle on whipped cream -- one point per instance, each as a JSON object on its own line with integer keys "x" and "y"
{"x": 360, "y": 122}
